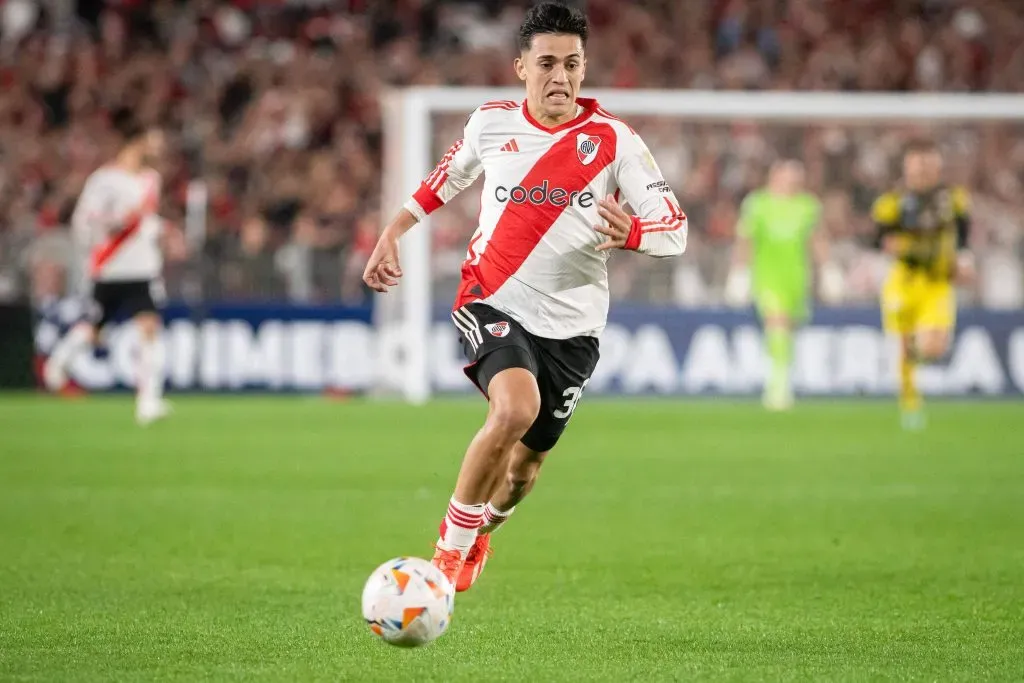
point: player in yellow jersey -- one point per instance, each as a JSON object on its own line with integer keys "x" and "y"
{"x": 923, "y": 225}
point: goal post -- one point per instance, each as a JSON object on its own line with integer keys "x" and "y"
{"x": 404, "y": 318}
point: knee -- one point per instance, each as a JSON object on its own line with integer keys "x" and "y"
{"x": 933, "y": 346}
{"x": 511, "y": 419}
{"x": 86, "y": 330}
{"x": 148, "y": 325}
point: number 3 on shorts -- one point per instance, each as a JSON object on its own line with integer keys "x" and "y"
{"x": 572, "y": 397}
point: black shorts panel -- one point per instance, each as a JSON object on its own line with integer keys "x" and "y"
{"x": 567, "y": 365}
{"x": 562, "y": 366}
{"x": 120, "y": 300}
{"x": 501, "y": 358}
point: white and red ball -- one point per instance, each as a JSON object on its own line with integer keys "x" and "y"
{"x": 408, "y": 602}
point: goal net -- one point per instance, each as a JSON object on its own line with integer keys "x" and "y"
{"x": 712, "y": 147}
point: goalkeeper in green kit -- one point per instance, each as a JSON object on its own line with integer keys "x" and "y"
{"x": 776, "y": 238}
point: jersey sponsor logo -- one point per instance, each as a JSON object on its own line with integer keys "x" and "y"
{"x": 586, "y": 147}
{"x": 544, "y": 194}
{"x": 499, "y": 330}
{"x": 510, "y": 146}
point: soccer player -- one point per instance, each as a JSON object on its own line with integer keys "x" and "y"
{"x": 116, "y": 221}
{"x": 777, "y": 223}
{"x": 924, "y": 225}
{"x": 534, "y": 291}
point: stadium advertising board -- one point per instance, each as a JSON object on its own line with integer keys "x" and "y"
{"x": 645, "y": 351}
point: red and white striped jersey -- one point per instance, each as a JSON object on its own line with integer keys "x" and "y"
{"x": 115, "y": 220}
{"x": 534, "y": 253}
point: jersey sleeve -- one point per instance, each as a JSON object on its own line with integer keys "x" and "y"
{"x": 152, "y": 223}
{"x": 95, "y": 212}
{"x": 962, "y": 216}
{"x": 749, "y": 209}
{"x": 885, "y": 213}
{"x": 456, "y": 171}
{"x": 659, "y": 226}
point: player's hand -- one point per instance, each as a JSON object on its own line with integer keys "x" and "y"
{"x": 966, "y": 273}
{"x": 383, "y": 270}
{"x": 175, "y": 244}
{"x": 618, "y": 227}
{"x": 737, "y": 287}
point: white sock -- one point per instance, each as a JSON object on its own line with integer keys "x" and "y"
{"x": 69, "y": 346}
{"x": 494, "y": 518}
{"x": 459, "y": 528}
{"x": 151, "y": 372}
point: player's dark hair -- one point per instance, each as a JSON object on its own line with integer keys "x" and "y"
{"x": 127, "y": 125}
{"x": 552, "y": 17}
{"x": 920, "y": 146}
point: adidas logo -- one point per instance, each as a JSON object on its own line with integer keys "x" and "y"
{"x": 510, "y": 146}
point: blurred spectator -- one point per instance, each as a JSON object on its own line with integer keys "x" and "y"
{"x": 276, "y": 107}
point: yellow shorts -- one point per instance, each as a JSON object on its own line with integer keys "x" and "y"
{"x": 913, "y": 301}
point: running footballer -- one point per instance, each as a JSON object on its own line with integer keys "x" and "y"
{"x": 557, "y": 170}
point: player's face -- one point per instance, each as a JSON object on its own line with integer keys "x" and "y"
{"x": 154, "y": 145}
{"x": 788, "y": 178}
{"x": 922, "y": 170}
{"x": 553, "y": 70}
{"x": 792, "y": 178}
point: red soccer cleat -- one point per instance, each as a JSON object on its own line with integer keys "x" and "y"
{"x": 449, "y": 562}
{"x": 476, "y": 558}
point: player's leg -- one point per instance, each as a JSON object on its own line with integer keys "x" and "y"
{"x": 936, "y": 320}
{"x": 778, "y": 339}
{"x": 513, "y": 404}
{"x": 139, "y": 301}
{"x": 81, "y": 337}
{"x": 504, "y": 369}
{"x": 149, "y": 395}
{"x": 518, "y": 480}
{"x": 564, "y": 369}
{"x": 926, "y": 340}
{"x": 899, "y": 316}
{"x": 909, "y": 397}
{"x": 932, "y": 344}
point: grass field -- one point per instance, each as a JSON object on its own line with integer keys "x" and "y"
{"x": 665, "y": 541}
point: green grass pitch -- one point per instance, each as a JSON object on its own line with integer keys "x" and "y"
{"x": 665, "y": 541}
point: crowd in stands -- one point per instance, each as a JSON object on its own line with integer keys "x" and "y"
{"x": 274, "y": 113}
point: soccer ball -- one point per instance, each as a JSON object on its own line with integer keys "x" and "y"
{"x": 408, "y": 602}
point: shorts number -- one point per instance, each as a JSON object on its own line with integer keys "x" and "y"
{"x": 572, "y": 397}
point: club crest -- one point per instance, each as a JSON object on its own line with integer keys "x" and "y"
{"x": 498, "y": 329}
{"x": 586, "y": 147}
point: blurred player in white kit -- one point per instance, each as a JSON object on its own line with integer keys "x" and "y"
{"x": 116, "y": 226}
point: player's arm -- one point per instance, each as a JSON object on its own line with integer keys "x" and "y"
{"x": 889, "y": 236}
{"x": 965, "y": 267}
{"x": 148, "y": 213}
{"x": 746, "y": 227}
{"x": 95, "y": 211}
{"x": 456, "y": 171}
{"x": 658, "y": 225}
{"x": 820, "y": 250}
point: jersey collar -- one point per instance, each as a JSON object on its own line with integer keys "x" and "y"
{"x": 589, "y": 108}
